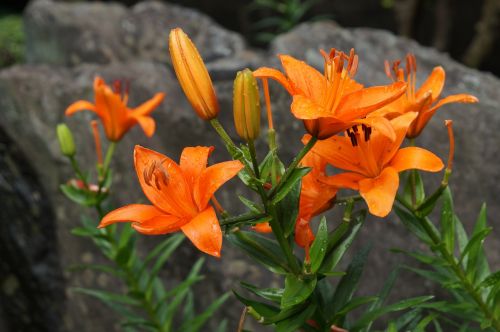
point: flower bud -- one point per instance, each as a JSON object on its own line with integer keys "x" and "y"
{"x": 246, "y": 105}
{"x": 66, "y": 141}
{"x": 192, "y": 75}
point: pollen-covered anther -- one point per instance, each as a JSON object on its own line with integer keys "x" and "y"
{"x": 157, "y": 173}
{"x": 352, "y": 135}
{"x": 367, "y": 131}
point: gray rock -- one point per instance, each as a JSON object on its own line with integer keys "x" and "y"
{"x": 69, "y": 34}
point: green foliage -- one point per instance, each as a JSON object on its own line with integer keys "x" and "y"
{"x": 458, "y": 263}
{"x": 11, "y": 39}
{"x": 147, "y": 305}
{"x": 278, "y": 16}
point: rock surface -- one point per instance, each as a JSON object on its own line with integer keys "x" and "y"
{"x": 70, "y": 43}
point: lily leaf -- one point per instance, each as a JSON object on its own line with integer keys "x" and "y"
{"x": 285, "y": 188}
{"x": 319, "y": 246}
{"x": 296, "y": 290}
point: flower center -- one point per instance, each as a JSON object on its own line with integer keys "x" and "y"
{"x": 121, "y": 88}
{"x": 354, "y": 136}
{"x": 156, "y": 175}
{"x": 336, "y": 75}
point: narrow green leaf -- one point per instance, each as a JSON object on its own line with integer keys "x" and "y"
{"x": 254, "y": 207}
{"x": 197, "y": 323}
{"x": 264, "y": 250}
{"x": 354, "y": 304}
{"x": 271, "y": 294}
{"x": 492, "y": 280}
{"x": 162, "y": 259}
{"x": 109, "y": 297}
{"x": 264, "y": 309}
{"x": 424, "y": 322}
{"x": 288, "y": 208}
{"x": 296, "y": 321}
{"x": 285, "y": 188}
{"x": 319, "y": 246}
{"x": 477, "y": 264}
{"x": 413, "y": 224}
{"x": 347, "y": 285}
{"x": 296, "y": 290}
{"x": 333, "y": 257}
{"x": 371, "y": 316}
{"x": 462, "y": 238}
{"x": 384, "y": 293}
{"x": 475, "y": 242}
{"x": 447, "y": 221}
{"x": 222, "y": 326}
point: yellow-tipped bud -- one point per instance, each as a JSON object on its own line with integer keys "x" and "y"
{"x": 192, "y": 75}
{"x": 66, "y": 142}
{"x": 246, "y": 105}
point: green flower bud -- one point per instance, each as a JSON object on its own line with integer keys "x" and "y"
{"x": 246, "y": 105}
{"x": 66, "y": 141}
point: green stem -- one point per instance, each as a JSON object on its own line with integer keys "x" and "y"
{"x": 78, "y": 171}
{"x": 253, "y": 155}
{"x": 228, "y": 142}
{"x": 295, "y": 162}
{"x": 283, "y": 242}
{"x": 109, "y": 156}
{"x": 348, "y": 199}
{"x": 454, "y": 265}
{"x": 271, "y": 138}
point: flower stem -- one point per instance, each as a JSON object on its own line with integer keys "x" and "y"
{"x": 295, "y": 162}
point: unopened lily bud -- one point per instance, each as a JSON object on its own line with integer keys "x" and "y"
{"x": 246, "y": 105}
{"x": 66, "y": 142}
{"x": 193, "y": 75}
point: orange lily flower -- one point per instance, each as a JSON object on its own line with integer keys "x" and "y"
{"x": 180, "y": 194}
{"x": 374, "y": 162}
{"x": 111, "y": 107}
{"x": 425, "y": 100}
{"x": 315, "y": 197}
{"x": 332, "y": 102}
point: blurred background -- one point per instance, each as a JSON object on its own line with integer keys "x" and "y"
{"x": 467, "y": 30}
{"x": 50, "y": 51}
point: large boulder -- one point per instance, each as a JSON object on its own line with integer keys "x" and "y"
{"x": 62, "y": 33}
{"x": 68, "y": 44}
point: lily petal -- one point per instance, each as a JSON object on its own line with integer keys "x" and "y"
{"x": 147, "y": 107}
{"x": 132, "y": 212}
{"x": 174, "y": 196}
{"x": 160, "y": 225}
{"x": 307, "y": 79}
{"x": 205, "y": 233}
{"x": 379, "y": 192}
{"x": 359, "y": 103}
{"x": 78, "y": 106}
{"x": 193, "y": 161}
{"x": 434, "y": 83}
{"x": 212, "y": 178}
{"x": 306, "y": 109}
{"x": 262, "y": 227}
{"x": 380, "y": 124}
{"x": 147, "y": 124}
{"x": 384, "y": 149}
{"x": 265, "y": 72}
{"x": 337, "y": 151}
{"x": 344, "y": 180}
{"x": 416, "y": 158}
